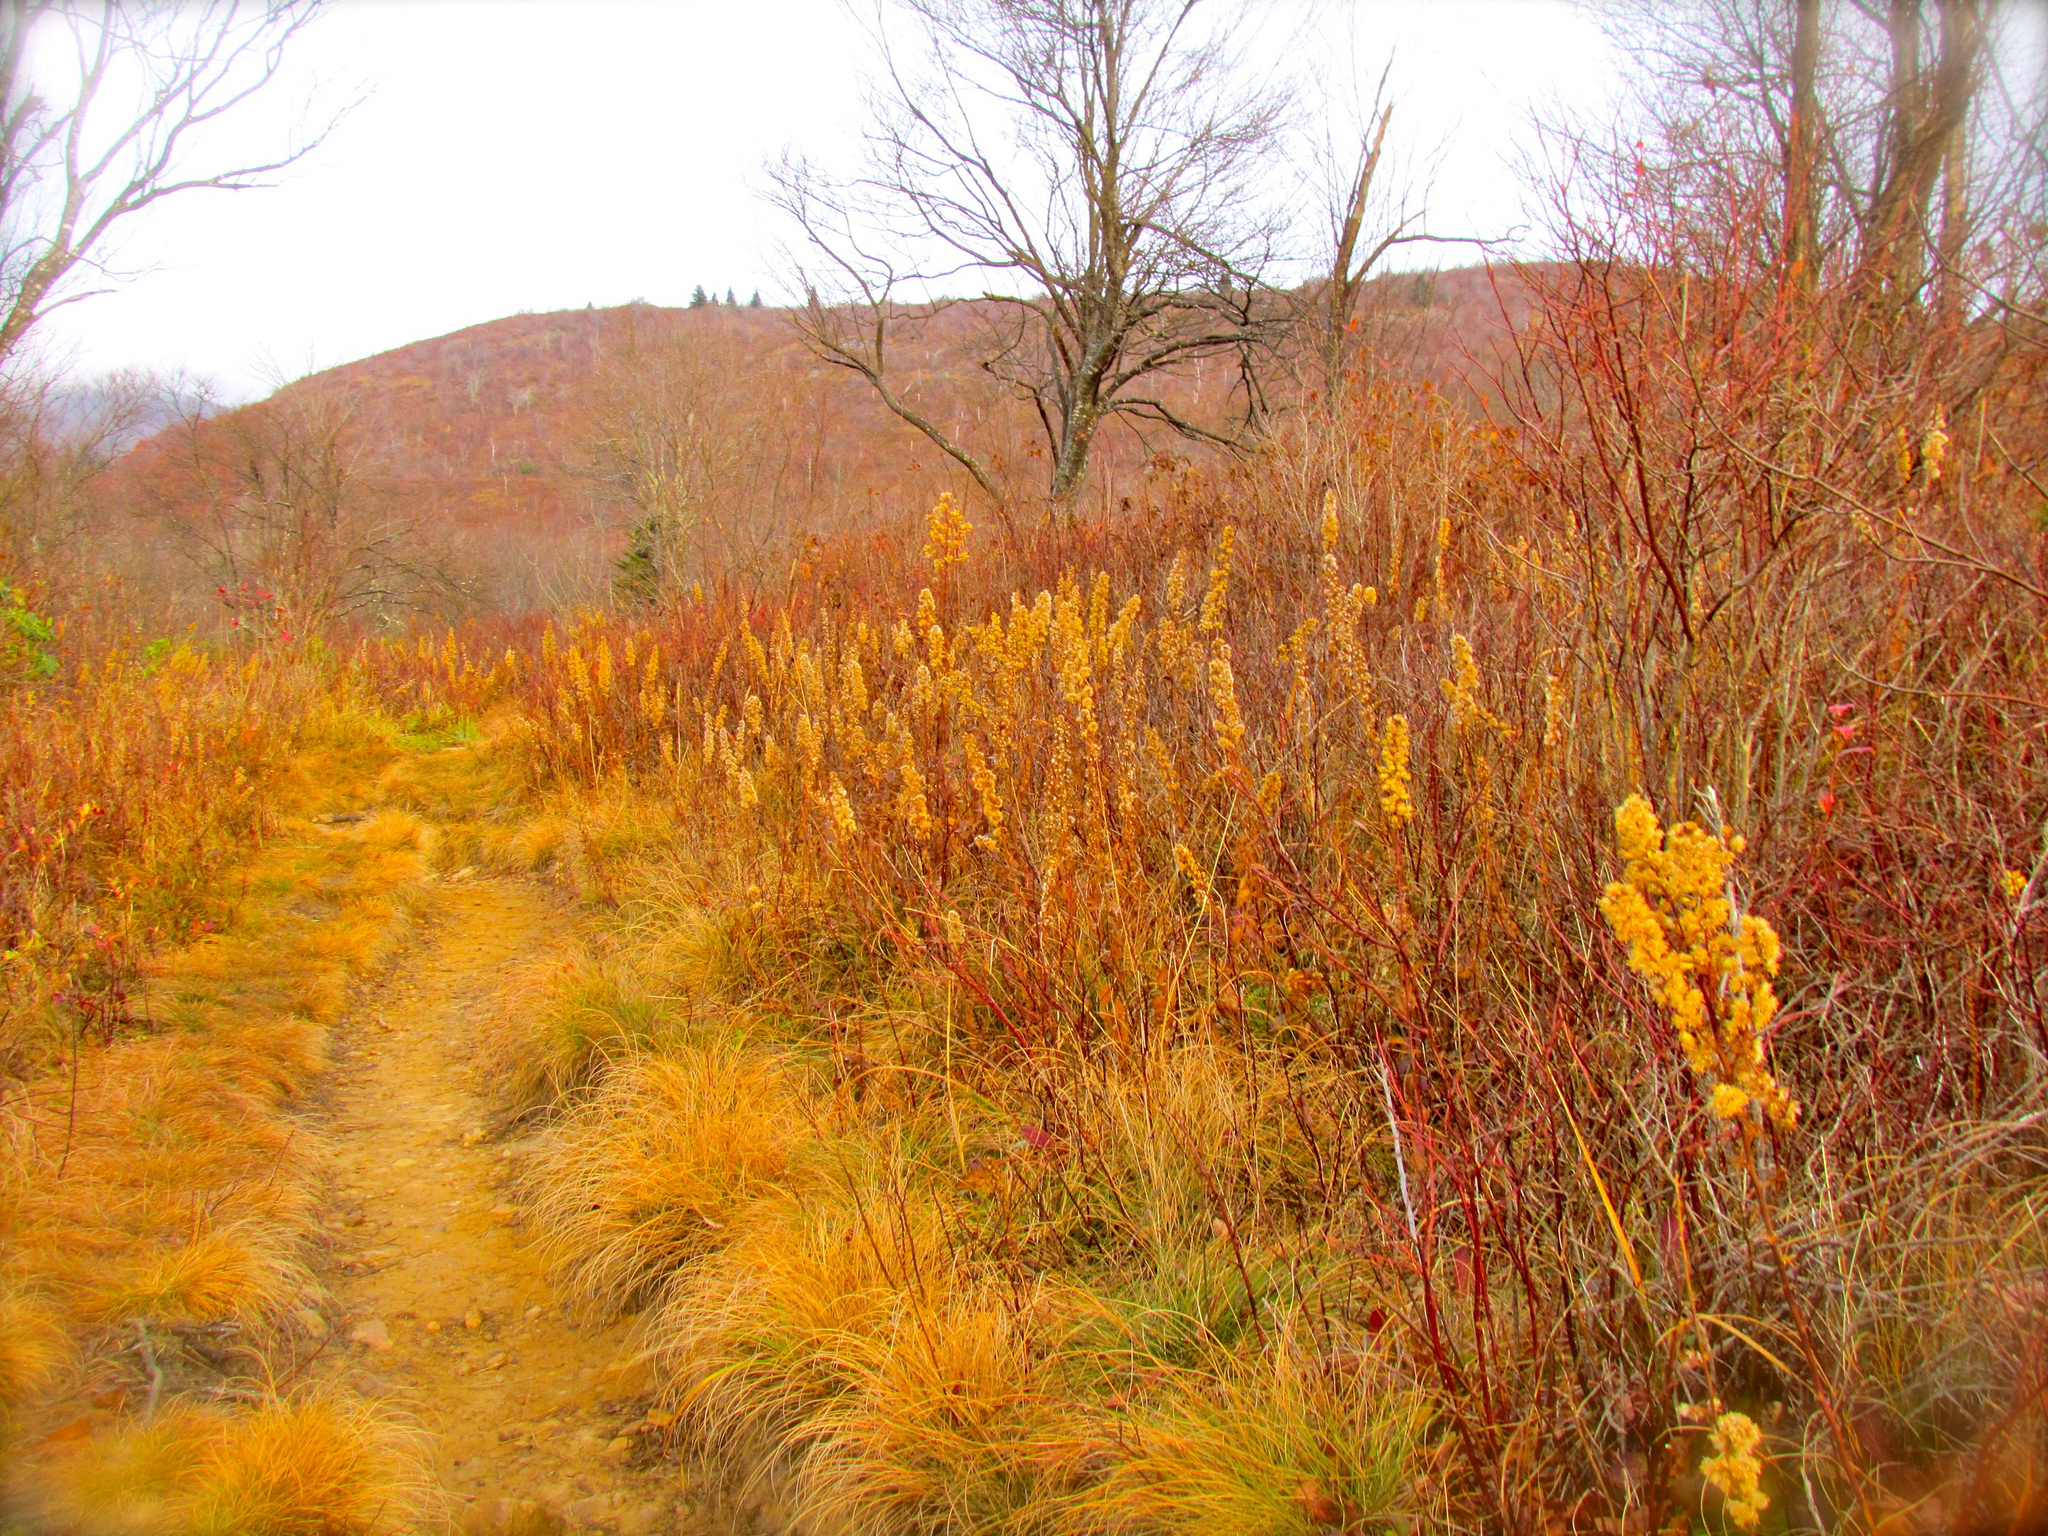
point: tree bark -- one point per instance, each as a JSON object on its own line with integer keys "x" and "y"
{"x": 1801, "y": 145}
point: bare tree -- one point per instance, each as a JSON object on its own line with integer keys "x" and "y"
{"x": 53, "y": 443}
{"x": 290, "y": 514}
{"x": 1870, "y": 120}
{"x": 1095, "y": 166}
{"x": 680, "y": 438}
{"x": 1374, "y": 203}
{"x": 1349, "y": 266}
{"x": 102, "y": 106}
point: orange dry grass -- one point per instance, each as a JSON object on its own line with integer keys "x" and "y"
{"x": 555, "y": 1029}
{"x": 127, "y": 789}
{"x": 158, "y": 1182}
{"x": 310, "y": 1467}
{"x": 1291, "y": 1442}
{"x": 651, "y": 1171}
{"x": 769, "y": 1330}
{"x": 955, "y": 1420}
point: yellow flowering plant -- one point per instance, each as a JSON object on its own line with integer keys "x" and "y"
{"x": 1734, "y": 1469}
{"x": 1708, "y": 965}
{"x": 946, "y": 530}
{"x": 1396, "y": 803}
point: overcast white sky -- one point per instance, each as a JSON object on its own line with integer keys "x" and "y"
{"x": 545, "y": 154}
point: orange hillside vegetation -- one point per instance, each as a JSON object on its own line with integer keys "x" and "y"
{"x": 500, "y": 429}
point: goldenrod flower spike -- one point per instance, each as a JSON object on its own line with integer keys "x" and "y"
{"x": 910, "y": 800}
{"x": 1395, "y": 800}
{"x": 946, "y": 530}
{"x": 1216, "y": 600}
{"x": 1184, "y": 861}
{"x": 1462, "y": 689}
{"x": 1934, "y": 446}
{"x": 842, "y": 809}
{"x": 1223, "y": 694}
{"x": 1710, "y": 970}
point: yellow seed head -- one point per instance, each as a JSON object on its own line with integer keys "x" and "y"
{"x": 910, "y": 800}
{"x": 1217, "y": 599}
{"x": 1462, "y": 689}
{"x": 842, "y": 809}
{"x": 1727, "y": 1101}
{"x": 1270, "y": 790}
{"x": 1709, "y": 968}
{"x": 1734, "y": 1469}
{"x": 946, "y": 530}
{"x": 1184, "y": 861}
{"x": 1934, "y": 446}
{"x": 1177, "y": 583}
{"x": 983, "y": 778}
{"x": 1223, "y": 694}
{"x": 653, "y": 699}
{"x": 1396, "y": 801}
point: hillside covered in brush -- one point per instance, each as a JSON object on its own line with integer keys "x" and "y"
{"x": 504, "y": 466}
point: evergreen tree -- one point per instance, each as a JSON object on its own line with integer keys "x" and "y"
{"x": 730, "y": 301}
{"x": 755, "y": 301}
{"x": 699, "y": 298}
{"x": 636, "y": 575}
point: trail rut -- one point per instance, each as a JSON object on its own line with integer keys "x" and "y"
{"x": 445, "y": 1312}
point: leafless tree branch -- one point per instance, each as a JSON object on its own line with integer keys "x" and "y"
{"x": 104, "y": 109}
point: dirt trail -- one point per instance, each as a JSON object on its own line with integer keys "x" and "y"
{"x": 444, "y": 1309}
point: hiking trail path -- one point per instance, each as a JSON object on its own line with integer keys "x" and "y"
{"x": 533, "y": 1418}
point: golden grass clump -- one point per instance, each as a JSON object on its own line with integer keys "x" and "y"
{"x": 955, "y": 1421}
{"x": 653, "y": 1169}
{"x": 396, "y": 829}
{"x": 251, "y": 1271}
{"x": 305, "y": 1467}
{"x": 34, "y": 1347}
{"x": 554, "y": 1030}
{"x": 1291, "y": 1443}
{"x": 763, "y": 1336}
